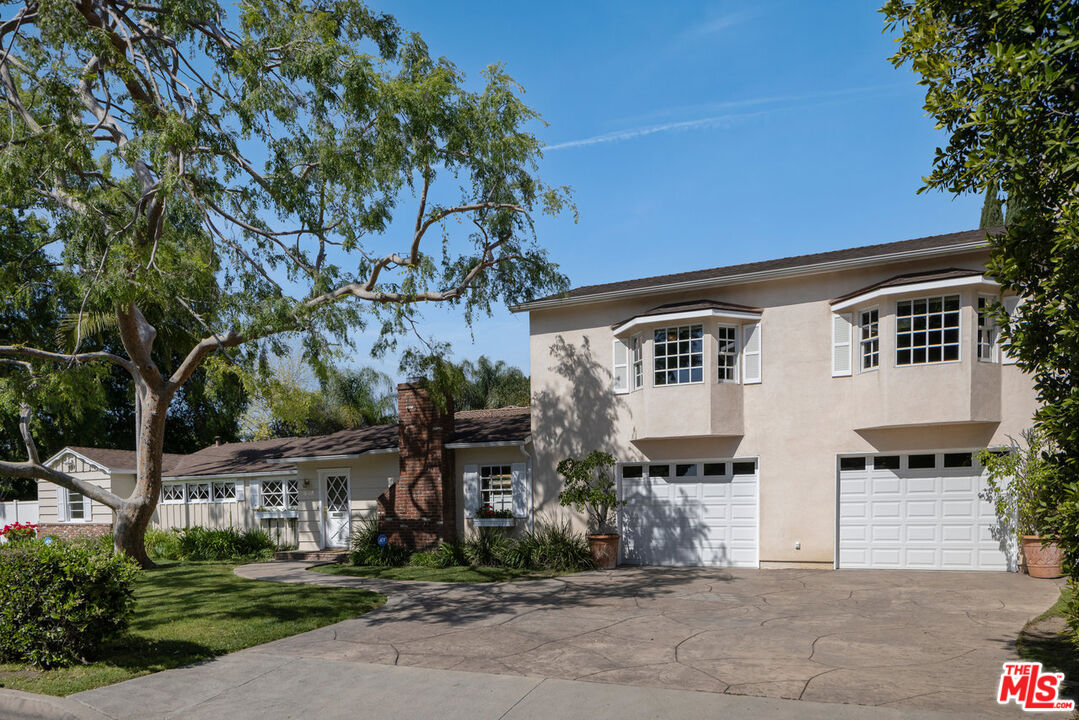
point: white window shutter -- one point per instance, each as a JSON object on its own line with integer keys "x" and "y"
{"x": 520, "y": 490}
{"x": 253, "y": 494}
{"x": 239, "y": 491}
{"x": 87, "y": 509}
{"x": 841, "y": 344}
{"x": 61, "y": 504}
{"x": 751, "y": 353}
{"x": 472, "y": 489}
{"x": 621, "y": 366}
{"x": 1011, "y": 304}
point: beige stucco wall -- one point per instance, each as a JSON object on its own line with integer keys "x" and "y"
{"x": 795, "y": 421}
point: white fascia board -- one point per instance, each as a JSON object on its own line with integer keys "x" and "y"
{"x": 500, "y": 443}
{"x": 227, "y": 476}
{"x": 681, "y": 316}
{"x": 85, "y": 459}
{"x": 320, "y": 458}
{"x": 913, "y": 288}
{"x": 800, "y": 270}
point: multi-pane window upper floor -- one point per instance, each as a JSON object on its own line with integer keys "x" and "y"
{"x": 689, "y": 343}
{"x": 915, "y": 319}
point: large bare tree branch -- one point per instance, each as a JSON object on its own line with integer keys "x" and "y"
{"x": 78, "y": 358}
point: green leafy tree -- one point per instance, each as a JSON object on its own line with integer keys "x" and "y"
{"x": 239, "y": 175}
{"x": 491, "y": 384}
{"x": 1000, "y": 78}
{"x": 478, "y": 385}
{"x": 589, "y": 487}
{"x": 289, "y": 403}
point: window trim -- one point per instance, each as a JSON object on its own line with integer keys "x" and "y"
{"x": 862, "y": 340}
{"x": 736, "y": 368}
{"x": 655, "y": 357}
{"x": 989, "y": 324}
{"x": 63, "y": 495}
{"x": 226, "y": 483}
{"x": 183, "y": 493}
{"x": 506, "y": 493}
{"x": 286, "y": 493}
{"x": 959, "y": 330}
{"x": 199, "y": 501}
{"x": 636, "y": 363}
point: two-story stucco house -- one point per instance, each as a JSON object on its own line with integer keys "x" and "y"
{"x": 820, "y": 410}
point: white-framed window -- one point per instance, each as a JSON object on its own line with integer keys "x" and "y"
{"x": 869, "y": 342}
{"x": 280, "y": 494}
{"x": 620, "y": 371}
{"x": 678, "y": 355}
{"x": 224, "y": 491}
{"x": 198, "y": 492}
{"x": 636, "y": 357}
{"x": 172, "y": 493}
{"x": 727, "y": 354}
{"x": 927, "y": 330}
{"x": 496, "y": 486}
{"x": 987, "y": 330}
{"x": 71, "y": 506}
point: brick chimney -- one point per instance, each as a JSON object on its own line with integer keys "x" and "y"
{"x": 421, "y": 507}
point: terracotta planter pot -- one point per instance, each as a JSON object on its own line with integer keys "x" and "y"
{"x": 1042, "y": 561}
{"x": 604, "y": 550}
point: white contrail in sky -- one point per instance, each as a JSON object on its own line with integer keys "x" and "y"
{"x": 619, "y": 136}
{"x": 713, "y": 121}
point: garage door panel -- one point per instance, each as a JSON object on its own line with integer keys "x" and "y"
{"x": 925, "y": 485}
{"x": 692, "y": 521}
{"x": 920, "y": 519}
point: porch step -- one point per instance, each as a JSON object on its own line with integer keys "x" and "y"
{"x": 312, "y": 555}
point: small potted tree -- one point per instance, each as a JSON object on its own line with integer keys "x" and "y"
{"x": 1018, "y": 486}
{"x": 589, "y": 487}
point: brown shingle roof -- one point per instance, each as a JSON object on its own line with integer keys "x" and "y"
{"x": 909, "y": 278}
{"x": 787, "y": 263}
{"x": 508, "y": 424}
{"x": 119, "y": 460}
{"x": 690, "y": 306}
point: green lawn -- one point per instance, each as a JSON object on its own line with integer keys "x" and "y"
{"x": 457, "y": 573}
{"x": 1046, "y": 639}
{"x": 185, "y": 612}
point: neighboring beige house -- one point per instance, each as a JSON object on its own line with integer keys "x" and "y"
{"x": 310, "y": 492}
{"x": 816, "y": 411}
{"x": 819, "y": 410}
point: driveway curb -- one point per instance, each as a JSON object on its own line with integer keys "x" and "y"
{"x": 18, "y": 705}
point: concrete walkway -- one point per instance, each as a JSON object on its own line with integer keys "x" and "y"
{"x": 913, "y": 641}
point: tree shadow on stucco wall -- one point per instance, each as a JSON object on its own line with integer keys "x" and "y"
{"x": 582, "y": 416}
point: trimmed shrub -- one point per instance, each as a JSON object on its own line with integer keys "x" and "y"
{"x": 555, "y": 546}
{"x": 367, "y": 551}
{"x": 424, "y": 559}
{"x": 162, "y": 544}
{"x": 451, "y": 554}
{"x": 199, "y": 543}
{"x": 59, "y": 601}
{"x": 487, "y": 547}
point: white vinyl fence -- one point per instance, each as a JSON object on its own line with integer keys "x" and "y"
{"x": 24, "y": 511}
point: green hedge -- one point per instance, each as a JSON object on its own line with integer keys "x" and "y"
{"x": 199, "y": 543}
{"x": 59, "y": 601}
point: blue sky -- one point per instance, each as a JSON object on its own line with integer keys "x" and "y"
{"x": 699, "y": 134}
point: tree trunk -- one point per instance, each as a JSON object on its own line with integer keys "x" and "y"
{"x": 133, "y": 517}
{"x": 129, "y": 533}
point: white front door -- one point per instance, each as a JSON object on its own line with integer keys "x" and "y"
{"x": 689, "y": 513}
{"x": 335, "y": 507}
{"x": 918, "y": 512}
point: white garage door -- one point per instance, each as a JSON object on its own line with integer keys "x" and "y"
{"x": 919, "y": 511}
{"x": 689, "y": 513}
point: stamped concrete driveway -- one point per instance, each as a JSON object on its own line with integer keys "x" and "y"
{"x": 916, "y": 640}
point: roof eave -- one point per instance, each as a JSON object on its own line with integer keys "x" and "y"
{"x": 779, "y": 273}
{"x": 337, "y": 456}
